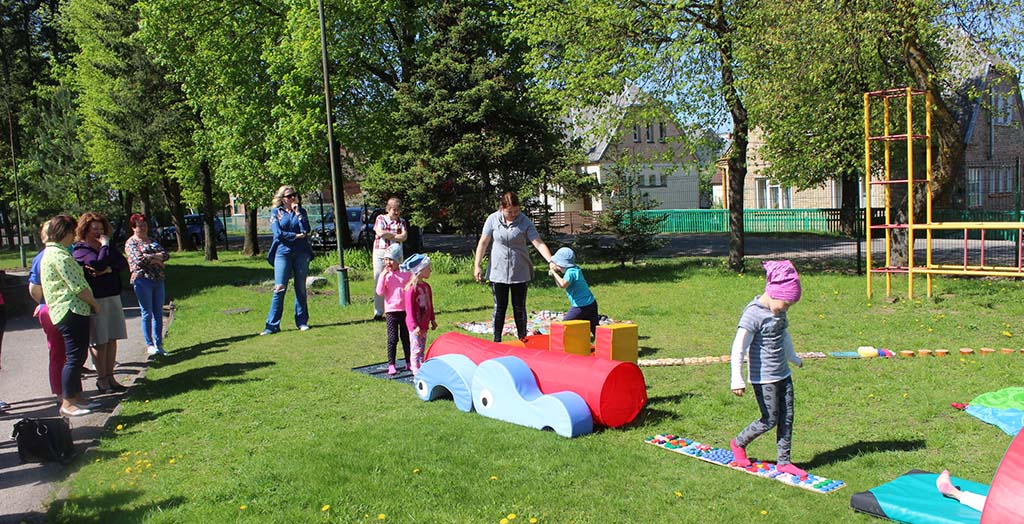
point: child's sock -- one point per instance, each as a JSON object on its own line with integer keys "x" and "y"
{"x": 391, "y": 369}
{"x": 792, "y": 470}
{"x": 739, "y": 455}
{"x": 943, "y": 484}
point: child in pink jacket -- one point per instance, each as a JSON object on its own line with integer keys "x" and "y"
{"x": 391, "y": 286}
{"x": 419, "y": 307}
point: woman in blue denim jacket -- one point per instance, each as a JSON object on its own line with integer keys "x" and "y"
{"x": 290, "y": 254}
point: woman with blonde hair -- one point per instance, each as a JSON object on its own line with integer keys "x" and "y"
{"x": 103, "y": 265}
{"x": 289, "y": 254}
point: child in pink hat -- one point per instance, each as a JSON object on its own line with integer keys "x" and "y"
{"x": 764, "y": 338}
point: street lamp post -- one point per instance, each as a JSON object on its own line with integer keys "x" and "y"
{"x": 336, "y": 177}
{"x": 17, "y": 191}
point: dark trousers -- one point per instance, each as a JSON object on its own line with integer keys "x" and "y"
{"x": 75, "y": 330}
{"x": 588, "y": 312}
{"x": 397, "y": 329}
{"x": 501, "y": 293}
{"x": 775, "y": 401}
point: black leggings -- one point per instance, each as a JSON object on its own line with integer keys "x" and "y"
{"x": 501, "y": 293}
{"x": 396, "y": 330}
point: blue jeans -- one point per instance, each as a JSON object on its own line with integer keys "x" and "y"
{"x": 151, "y": 301}
{"x": 288, "y": 265}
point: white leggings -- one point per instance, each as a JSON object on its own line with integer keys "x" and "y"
{"x": 972, "y": 500}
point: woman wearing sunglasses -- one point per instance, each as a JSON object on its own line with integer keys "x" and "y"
{"x": 289, "y": 254}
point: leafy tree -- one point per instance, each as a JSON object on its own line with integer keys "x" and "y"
{"x": 587, "y": 52}
{"x": 131, "y": 112}
{"x": 471, "y": 130}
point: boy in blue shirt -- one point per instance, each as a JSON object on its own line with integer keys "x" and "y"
{"x": 582, "y": 301}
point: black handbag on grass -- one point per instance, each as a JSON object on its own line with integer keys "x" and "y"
{"x": 44, "y": 440}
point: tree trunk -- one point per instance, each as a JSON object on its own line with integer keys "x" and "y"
{"x": 949, "y": 163}
{"x": 850, "y": 190}
{"x": 209, "y": 230}
{"x": 146, "y": 201}
{"x": 738, "y": 158}
{"x": 251, "y": 244}
{"x": 6, "y": 223}
{"x": 172, "y": 195}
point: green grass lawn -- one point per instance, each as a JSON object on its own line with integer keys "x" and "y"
{"x": 235, "y": 427}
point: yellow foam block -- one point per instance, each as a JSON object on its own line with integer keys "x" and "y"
{"x": 617, "y": 342}
{"x": 570, "y": 336}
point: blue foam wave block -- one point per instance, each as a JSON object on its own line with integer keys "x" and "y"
{"x": 505, "y": 389}
{"x": 453, "y": 373}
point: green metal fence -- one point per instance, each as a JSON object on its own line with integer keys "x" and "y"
{"x": 824, "y": 221}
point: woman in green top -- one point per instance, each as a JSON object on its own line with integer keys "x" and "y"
{"x": 71, "y": 303}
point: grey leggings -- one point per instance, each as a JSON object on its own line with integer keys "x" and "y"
{"x": 776, "y": 403}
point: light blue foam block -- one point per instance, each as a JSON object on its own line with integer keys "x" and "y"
{"x": 452, "y": 373}
{"x": 505, "y": 389}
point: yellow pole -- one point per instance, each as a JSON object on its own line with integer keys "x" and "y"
{"x": 888, "y": 203}
{"x": 867, "y": 184}
{"x": 928, "y": 184}
{"x": 910, "y": 193}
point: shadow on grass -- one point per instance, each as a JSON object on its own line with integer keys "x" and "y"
{"x": 201, "y": 378}
{"x": 107, "y": 508}
{"x": 186, "y": 280}
{"x": 850, "y": 451}
{"x": 188, "y": 353}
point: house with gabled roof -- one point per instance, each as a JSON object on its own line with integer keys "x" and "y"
{"x": 619, "y": 134}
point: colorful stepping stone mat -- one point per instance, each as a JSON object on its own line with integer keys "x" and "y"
{"x": 724, "y": 457}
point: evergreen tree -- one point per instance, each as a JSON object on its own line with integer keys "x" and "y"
{"x": 467, "y": 128}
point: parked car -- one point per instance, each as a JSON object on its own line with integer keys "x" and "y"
{"x": 360, "y": 227}
{"x": 194, "y": 223}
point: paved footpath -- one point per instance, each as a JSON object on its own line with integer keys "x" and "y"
{"x": 26, "y": 489}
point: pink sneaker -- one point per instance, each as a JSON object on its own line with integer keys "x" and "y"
{"x": 792, "y": 470}
{"x": 739, "y": 455}
{"x": 391, "y": 369}
{"x": 943, "y": 484}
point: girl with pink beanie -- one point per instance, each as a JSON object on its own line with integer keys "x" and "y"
{"x": 762, "y": 336}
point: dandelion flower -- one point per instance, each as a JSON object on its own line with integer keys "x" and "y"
{"x": 493, "y": 477}
{"x": 679, "y": 494}
{"x": 326, "y": 507}
{"x": 128, "y": 470}
{"x": 503, "y": 521}
{"x": 533, "y": 520}
{"x": 764, "y": 512}
{"x": 381, "y": 517}
{"x": 416, "y": 470}
{"x": 511, "y": 516}
{"x": 119, "y": 427}
{"x": 171, "y": 461}
{"x": 242, "y": 507}
{"x": 1007, "y": 334}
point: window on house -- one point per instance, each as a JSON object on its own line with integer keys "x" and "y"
{"x": 650, "y": 133}
{"x": 661, "y": 132}
{"x": 974, "y": 187}
{"x": 771, "y": 195}
{"x": 837, "y": 193}
{"x": 1002, "y": 110}
{"x": 636, "y": 133}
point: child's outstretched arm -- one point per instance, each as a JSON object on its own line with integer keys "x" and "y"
{"x": 740, "y": 345}
{"x": 787, "y": 346}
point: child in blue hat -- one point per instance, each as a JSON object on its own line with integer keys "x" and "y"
{"x": 583, "y": 305}
{"x": 419, "y": 307}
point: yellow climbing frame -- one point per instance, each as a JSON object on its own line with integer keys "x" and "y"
{"x": 887, "y": 138}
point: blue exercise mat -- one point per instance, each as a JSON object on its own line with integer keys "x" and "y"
{"x": 913, "y": 498}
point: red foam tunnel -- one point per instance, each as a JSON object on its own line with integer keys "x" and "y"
{"x": 614, "y": 391}
{"x": 1005, "y": 502}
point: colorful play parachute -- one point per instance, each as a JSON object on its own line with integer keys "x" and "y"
{"x": 1003, "y": 408}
